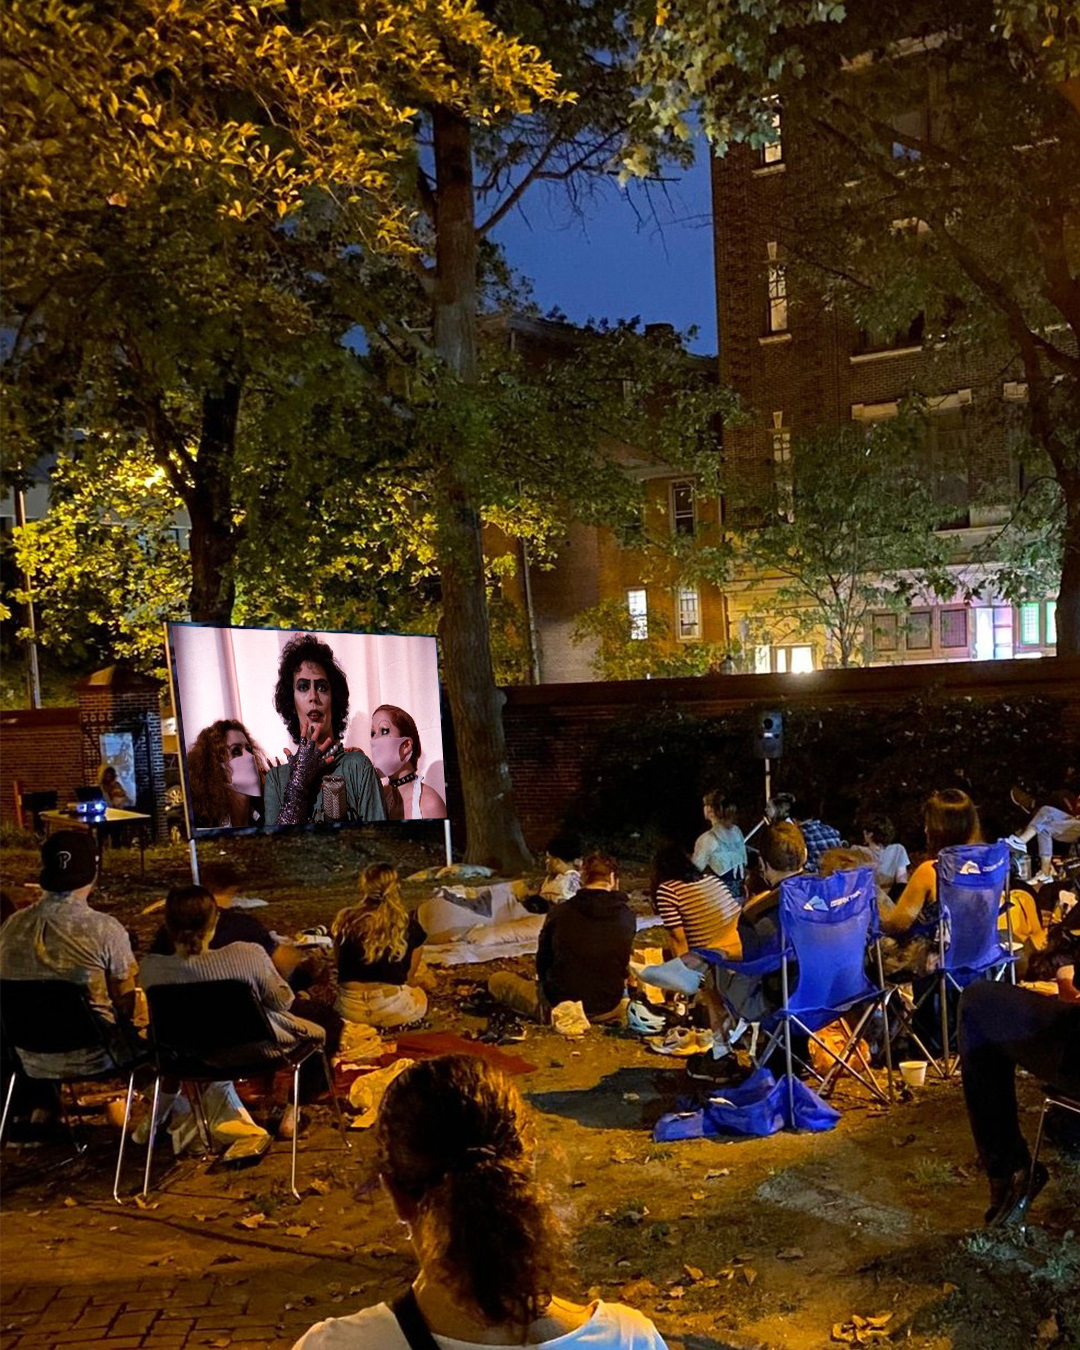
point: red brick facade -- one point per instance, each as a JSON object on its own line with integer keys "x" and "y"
{"x": 42, "y": 749}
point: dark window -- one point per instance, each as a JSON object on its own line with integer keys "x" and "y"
{"x": 954, "y": 628}
{"x": 918, "y": 631}
{"x": 886, "y": 628}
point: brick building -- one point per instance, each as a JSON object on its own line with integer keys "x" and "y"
{"x": 798, "y": 367}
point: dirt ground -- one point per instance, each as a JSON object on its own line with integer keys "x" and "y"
{"x": 773, "y": 1242}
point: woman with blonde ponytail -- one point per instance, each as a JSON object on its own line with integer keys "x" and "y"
{"x": 378, "y": 946}
{"x": 456, "y": 1158}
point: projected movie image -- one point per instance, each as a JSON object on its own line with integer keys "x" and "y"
{"x": 282, "y": 728}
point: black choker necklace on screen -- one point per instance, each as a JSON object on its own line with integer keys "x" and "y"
{"x": 405, "y": 778}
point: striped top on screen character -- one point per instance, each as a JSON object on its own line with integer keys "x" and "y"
{"x": 704, "y": 909}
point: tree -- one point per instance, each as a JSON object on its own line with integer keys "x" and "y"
{"x": 951, "y": 135}
{"x": 845, "y": 535}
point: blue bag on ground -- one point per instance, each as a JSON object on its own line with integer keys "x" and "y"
{"x": 757, "y": 1108}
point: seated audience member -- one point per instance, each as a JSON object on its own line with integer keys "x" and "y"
{"x": 1049, "y": 822}
{"x": 783, "y": 855}
{"x": 583, "y": 951}
{"x": 222, "y": 880}
{"x": 1022, "y": 918}
{"x": 112, "y": 790}
{"x": 818, "y": 837}
{"x": 910, "y": 926}
{"x": 379, "y": 953}
{"x": 562, "y": 879}
{"x": 722, "y": 848}
{"x": 891, "y": 861}
{"x": 60, "y": 937}
{"x": 192, "y": 915}
{"x": 457, "y": 1159}
{"x": 1001, "y": 1027}
{"x": 698, "y": 910}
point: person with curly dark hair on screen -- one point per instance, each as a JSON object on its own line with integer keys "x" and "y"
{"x": 457, "y": 1159}
{"x": 225, "y": 770}
{"x": 312, "y": 698}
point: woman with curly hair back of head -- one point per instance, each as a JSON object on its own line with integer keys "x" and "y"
{"x": 312, "y": 699}
{"x": 378, "y": 947}
{"x": 456, "y": 1156}
{"x": 226, "y": 770}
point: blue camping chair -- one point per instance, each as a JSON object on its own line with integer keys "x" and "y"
{"x": 972, "y": 893}
{"x": 827, "y": 925}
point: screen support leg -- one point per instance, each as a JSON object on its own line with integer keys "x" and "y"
{"x": 194, "y": 862}
{"x": 446, "y": 841}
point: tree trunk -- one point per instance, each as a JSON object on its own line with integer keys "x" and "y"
{"x": 493, "y": 835}
{"x": 209, "y": 503}
{"x": 1068, "y": 604}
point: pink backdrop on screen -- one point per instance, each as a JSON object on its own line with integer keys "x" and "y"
{"x": 231, "y": 673}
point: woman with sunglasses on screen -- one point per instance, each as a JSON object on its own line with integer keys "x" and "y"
{"x": 312, "y": 698}
{"x": 225, "y": 770}
{"x": 395, "y": 752}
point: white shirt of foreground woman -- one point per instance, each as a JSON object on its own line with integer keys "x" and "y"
{"x": 608, "y": 1326}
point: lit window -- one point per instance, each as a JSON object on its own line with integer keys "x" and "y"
{"x": 918, "y": 631}
{"x": 777, "y": 315}
{"x": 689, "y": 608}
{"x": 773, "y": 153}
{"x": 1030, "y": 624}
{"x": 793, "y": 660}
{"x": 954, "y": 628}
{"x": 682, "y": 508}
{"x": 886, "y": 631}
{"x": 1051, "y": 623}
{"x": 637, "y": 606}
{"x": 782, "y": 475}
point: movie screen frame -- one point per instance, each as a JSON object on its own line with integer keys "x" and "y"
{"x": 235, "y": 675}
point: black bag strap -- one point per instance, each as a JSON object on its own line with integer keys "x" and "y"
{"x": 411, "y": 1321}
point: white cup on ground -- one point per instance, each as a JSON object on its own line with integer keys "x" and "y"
{"x": 913, "y": 1072}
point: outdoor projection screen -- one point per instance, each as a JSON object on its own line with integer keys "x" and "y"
{"x": 230, "y": 674}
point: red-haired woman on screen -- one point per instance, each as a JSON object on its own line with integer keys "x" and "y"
{"x": 226, "y": 771}
{"x": 395, "y": 752}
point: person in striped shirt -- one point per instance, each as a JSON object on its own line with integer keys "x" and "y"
{"x": 698, "y": 909}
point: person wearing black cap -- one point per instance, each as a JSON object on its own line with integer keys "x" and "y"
{"x": 60, "y": 937}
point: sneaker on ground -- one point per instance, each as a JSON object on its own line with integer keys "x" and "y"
{"x": 706, "y": 1069}
{"x": 1043, "y": 878}
{"x": 681, "y": 1041}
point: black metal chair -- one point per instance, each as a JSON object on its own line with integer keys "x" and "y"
{"x": 56, "y": 1017}
{"x": 215, "y": 1030}
{"x": 1052, "y": 1098}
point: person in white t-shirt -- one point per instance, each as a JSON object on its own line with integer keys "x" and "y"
{"x": 891, "y": 861}
{"x": 456, "y": 1158}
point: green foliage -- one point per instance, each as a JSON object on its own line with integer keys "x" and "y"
{"x": 849, "y": 532}
{"x": 619, "y": 656}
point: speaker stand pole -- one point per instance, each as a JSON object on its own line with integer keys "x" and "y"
{"x": 768, "y": 782}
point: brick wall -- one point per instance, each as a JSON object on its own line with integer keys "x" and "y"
{"x": 555, "y": 733}
{"x": 42, "y": 749}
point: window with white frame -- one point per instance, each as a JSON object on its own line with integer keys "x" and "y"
{"x": 777, "y": 312}
{"x": 798, "y": 660}
{"x": 683, "y": 518}
{"x": 688, "y": 613}
{"x": 637, "y": 606}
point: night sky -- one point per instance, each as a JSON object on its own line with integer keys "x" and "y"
{"x": 612, "y": 261}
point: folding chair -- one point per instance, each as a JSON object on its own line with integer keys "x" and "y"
{"x": 972, "y": 893}
{"x": 215, "y": 1030}
{"x": 1064, "y": 1101}
{"x": 56, "y": 1017}
{"x": 827, "y": 925}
